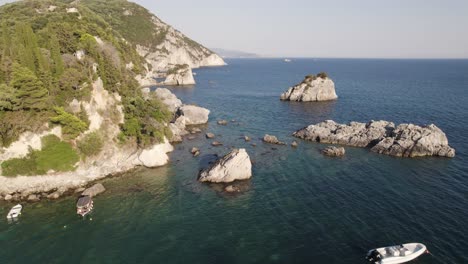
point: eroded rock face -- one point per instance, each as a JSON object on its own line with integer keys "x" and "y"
{"x": 406, "y": 140}
{"x": 168, "y": 98}
{"x": 180, "y": 76}
{"x": 334, "y": 151}
{"x": 311, "y": 89}
{"x": 194, "y": 115}
{"x": 234, "y": 166}
{"x": 409, "y": 140}
{"x": 155, "y": 156}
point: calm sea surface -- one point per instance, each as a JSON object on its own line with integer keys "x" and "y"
{"x": 299, "y": 207}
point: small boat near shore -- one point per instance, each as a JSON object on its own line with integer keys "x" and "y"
{"x": 84, "y": 205}
{"x": 287, "y": 60}
{"x": 15, "y": 212}
{"x": 396, "y": 254}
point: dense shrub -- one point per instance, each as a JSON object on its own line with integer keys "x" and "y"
{"x": 91, "y": 144}
{"x": 72, "y": 126}
{"x": 322, "y": 75}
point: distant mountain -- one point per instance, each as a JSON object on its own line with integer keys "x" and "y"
{"x": 234, "y": 53}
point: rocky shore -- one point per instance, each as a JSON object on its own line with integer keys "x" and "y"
{"x": 312, "y": 88}
{"x": 404, "y": 140}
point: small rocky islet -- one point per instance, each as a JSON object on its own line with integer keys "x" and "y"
{"x": 404, "y": 140}
{"x": 313, "y": 88}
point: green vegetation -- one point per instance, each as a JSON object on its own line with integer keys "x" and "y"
{"x": 177, "y": 68}
{"x": 72, "y": 126}
{"x": 55, "y": 155}
{"x": 40, "y": 74}
{"x": 145, "y": 120}
{"x": 322, "y": 75}
{"x": 91, "y": 144}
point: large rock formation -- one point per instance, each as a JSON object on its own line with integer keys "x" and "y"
{"x": 234, "y": 166}
{"x": 312, "y": 88}
{"x": 168, "y": 98}
{"x": 405, "y": 140}
{"x": 180, "y": 75}
{"x": 194, "y": 115}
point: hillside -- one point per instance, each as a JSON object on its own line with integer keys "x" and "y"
{"x": 70, "y": 79}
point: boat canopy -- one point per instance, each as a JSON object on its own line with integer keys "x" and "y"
{"x": 83, "y": 201}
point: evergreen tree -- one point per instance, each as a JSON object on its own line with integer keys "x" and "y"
{"x": 26, "y": 46}
{"x": 54, "y": 44}
{"x": 7, "y": 95}
{"x": 30, "y": 93}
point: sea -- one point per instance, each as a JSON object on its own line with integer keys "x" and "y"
{"x": 299, "y": 206}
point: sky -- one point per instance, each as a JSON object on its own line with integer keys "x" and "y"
{"x": 326, "y": 28}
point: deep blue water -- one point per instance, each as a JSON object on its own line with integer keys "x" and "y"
{"x": 299, "y": 207}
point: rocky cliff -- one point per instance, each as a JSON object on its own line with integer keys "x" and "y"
{"x": 71, "y": 105}
{"x": 312, "y": 88}
{"x": 162, "y": 46}
{"x": 404, "y": 140}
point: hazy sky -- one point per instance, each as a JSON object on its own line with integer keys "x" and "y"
{"x": 332, "y": 28}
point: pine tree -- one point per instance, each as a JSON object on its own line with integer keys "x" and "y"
{"x": 30, "y": 93}
{"x": 7, "y": 97}
{"x": 54, "y": 44}
{"x": 26, "y": 44}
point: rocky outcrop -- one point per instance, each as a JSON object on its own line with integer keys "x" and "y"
{"x": 234, "y": 166}
{"x": 312, "y": 88}
{"x": 95, "y": 190}
{"x": 180, "y": 75}
{"x": 194, "y": 115}
{"x": 334, "y": 151}
{"x": 168, "y": 98}
{"x": 272, "y": 140}
{"x": 405, "y": 140}
{"x": 155, "y": 156}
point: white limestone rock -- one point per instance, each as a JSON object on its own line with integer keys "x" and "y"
{"x": 168, "y": 98}
{"x": 180, "y": 75}
{"x": 155, "y": 156}
{"x": 194, "y": 115}
{"x": 234, "y": 166}
{"x": 312, "y": 88}
{"x": 406, "y": 140}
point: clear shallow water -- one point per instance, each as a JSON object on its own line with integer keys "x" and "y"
{"x": 299, "y": 207}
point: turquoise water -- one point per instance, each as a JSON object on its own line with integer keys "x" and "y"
{"x": 299, "y": 207}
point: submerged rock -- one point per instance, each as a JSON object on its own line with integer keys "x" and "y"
{"x": 210, "y": 135}
{"x": 334, "y": 151}
{"x": 94, "y": 190}
{"x": 405, "y": 140}
{"x": 272, "y": 140}
{"x": 222, "y": 122}
{"x": 216, "y": 143}
{"x": 231, "y": 189}
{"x": 246, "y": 138}
{"x": 312, "y": 88}
{"x": 234, "y": 166}
{"x": 294, "y": 144}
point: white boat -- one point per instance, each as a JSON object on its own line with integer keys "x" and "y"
{"x": 15, "y": 212}
{"x": 84, "y": 205}
{"x": 287, "y": 60}
{"x": 396, "y": 254}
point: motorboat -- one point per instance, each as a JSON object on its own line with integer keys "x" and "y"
{"x": 84, "y": 205}
{"x": 396, "y": 254}
{"x": 15, "y": 212}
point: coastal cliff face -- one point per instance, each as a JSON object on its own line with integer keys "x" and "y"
{"x": 71, "y": 105}
{"x": 312, "y": 88}
{"x": 404, "y": 140}
{"x": 161, "y": 46}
